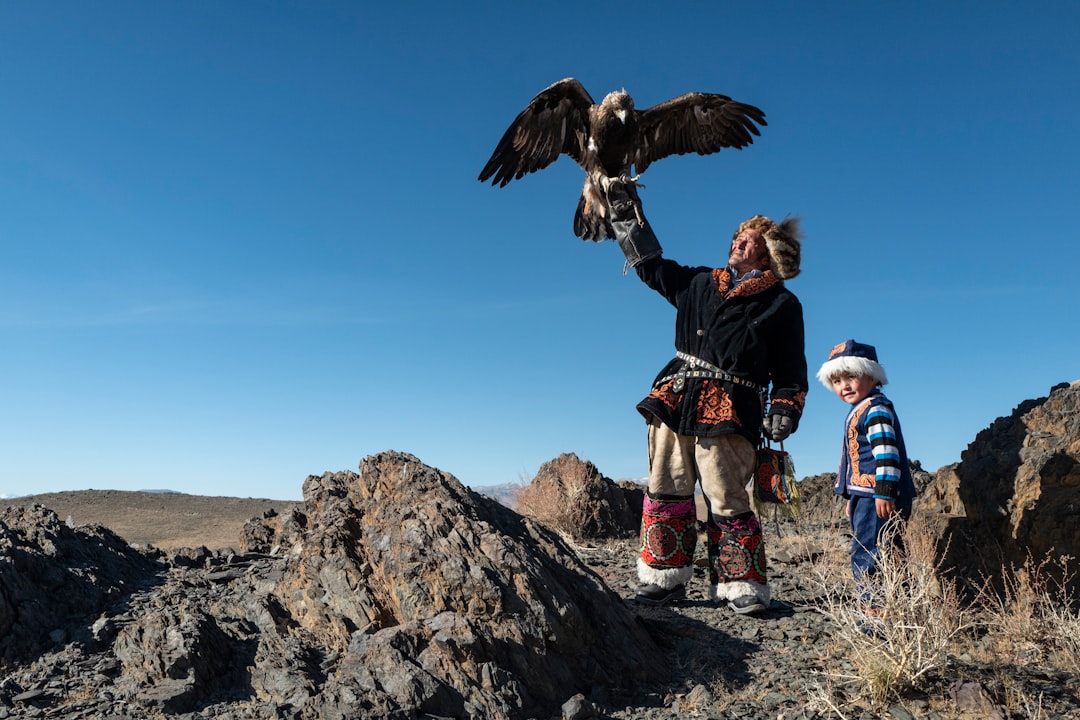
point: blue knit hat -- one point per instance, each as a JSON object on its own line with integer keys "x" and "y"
{"x": 854, "y": 358}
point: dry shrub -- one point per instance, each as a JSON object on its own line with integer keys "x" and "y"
{"x": 1035, "y": 620}
{"x": 895, "y": 626}
{"x": 557, "y": 504}
{"x": 922, "y": 621}
{"x": 570, "y": 496}
{"x": 545, "y": 503}
{"x": 1018, "y": 699}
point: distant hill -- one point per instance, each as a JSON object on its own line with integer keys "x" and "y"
{"x": 506, "y": 494}
{"x": 165, "y": 519}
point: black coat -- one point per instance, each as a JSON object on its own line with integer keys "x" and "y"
{"x": 754, "y": 332}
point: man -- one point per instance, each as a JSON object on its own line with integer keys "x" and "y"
{"x": 737, "y": 330}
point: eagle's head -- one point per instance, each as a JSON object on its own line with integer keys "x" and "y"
{"x": 620, "y": 103}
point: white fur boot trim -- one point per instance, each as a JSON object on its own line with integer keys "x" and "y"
{"x": 666, "y": 578}
{"x": 739, "y": 588}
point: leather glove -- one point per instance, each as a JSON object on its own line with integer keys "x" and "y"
{"x": 778, "y": 426}
{"x": 628, "y": 223}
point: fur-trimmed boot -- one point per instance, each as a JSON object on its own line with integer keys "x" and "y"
{"x": 737, "y": 567}
{"x": 668, "y": 540}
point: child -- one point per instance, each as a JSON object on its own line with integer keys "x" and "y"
{"x": 874, "y": 474}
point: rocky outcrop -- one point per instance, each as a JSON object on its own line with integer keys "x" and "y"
{"x": 51, "y": 574}
{"x": 817, "y": 501}
{"x": 441, "y": 600}
{"x": 1016, "y": 492}
{"x": 393, "y": 592}
{"x": 570, "y": 495}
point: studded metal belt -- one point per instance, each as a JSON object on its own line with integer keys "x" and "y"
{"x": 694, "y": 367}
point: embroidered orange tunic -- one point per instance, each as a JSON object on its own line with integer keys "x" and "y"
{"x": 753, "y": 331}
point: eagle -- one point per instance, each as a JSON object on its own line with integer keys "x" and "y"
{"x": 613, "y": 139}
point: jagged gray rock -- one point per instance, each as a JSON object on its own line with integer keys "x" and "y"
{"x": 391, "y": 592}
{"x": 441, "y": 598}
{"x": 1016, "y": 492}
{"x": 51, "y": 573}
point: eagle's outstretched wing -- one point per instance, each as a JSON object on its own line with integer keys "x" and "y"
{"x": 555, "y": 122}
{"x": 694, "y": 122}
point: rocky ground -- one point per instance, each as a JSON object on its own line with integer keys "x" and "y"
{"x": 788, "y": 664}
{"x": 164, "y": 644}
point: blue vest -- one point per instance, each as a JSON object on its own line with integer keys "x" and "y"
{"x": 858, "y": 469}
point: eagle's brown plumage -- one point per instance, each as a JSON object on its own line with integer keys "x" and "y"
{"x": 613, "y": 138}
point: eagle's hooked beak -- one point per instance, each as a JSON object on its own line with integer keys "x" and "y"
{"x": 621, "y": 114}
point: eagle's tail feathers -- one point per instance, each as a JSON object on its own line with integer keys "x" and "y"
{"x": 590, "y": 225}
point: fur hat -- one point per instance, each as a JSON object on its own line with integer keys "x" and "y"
{"x": 854, "y": 358}
{"x": 783, "y": 241}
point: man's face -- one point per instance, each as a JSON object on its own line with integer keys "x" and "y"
{"x": 748, "y": 252}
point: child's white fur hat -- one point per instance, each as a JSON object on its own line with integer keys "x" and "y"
{"x": 853, "y": 358}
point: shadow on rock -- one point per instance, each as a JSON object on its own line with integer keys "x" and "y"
{"x": 56, "y": 580}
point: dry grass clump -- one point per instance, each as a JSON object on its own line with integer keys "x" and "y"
{"x": 895, "y": 627}
{"x": 1035, "y": 620}
{"x": 920, "y": 625}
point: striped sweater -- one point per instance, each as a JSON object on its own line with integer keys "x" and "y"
{"x": 874, "y": 460}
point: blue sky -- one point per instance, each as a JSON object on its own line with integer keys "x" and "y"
{"x": 244, "y": 242}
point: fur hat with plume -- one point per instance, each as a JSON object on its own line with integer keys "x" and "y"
{"x": 783, "y": 240}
